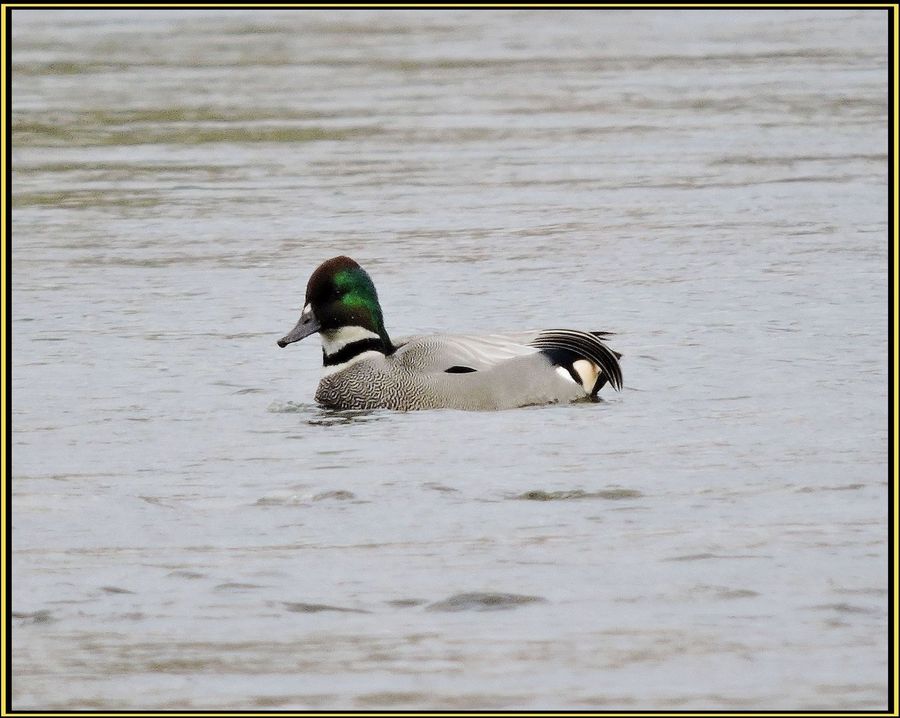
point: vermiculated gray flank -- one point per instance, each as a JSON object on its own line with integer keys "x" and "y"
{"x": 364, "y": 369}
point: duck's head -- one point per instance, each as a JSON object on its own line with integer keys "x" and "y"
{"x": 342, "y": 305}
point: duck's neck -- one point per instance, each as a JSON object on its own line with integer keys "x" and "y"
{"x": 345, "y": 344}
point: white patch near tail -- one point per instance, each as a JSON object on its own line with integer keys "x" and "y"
{"x": 588, "y": 372}
{"x": 334, "y": 340}
{"x": 564, "y": 373}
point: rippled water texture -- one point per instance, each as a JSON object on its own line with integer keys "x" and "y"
{"x": 191, "y": 531}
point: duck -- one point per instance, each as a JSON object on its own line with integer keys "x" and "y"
{"x": 363, "y": 368}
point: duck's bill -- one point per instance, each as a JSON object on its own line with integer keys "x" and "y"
{"x": 307, "y": 325}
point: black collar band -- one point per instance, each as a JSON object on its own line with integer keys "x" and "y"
{"x": 346, "y": 353}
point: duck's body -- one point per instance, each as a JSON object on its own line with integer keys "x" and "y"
{"x": 497, "y": 371}
{"x": 364, "y": 369}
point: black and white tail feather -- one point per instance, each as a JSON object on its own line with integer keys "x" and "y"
{"x": 569, "y": 349}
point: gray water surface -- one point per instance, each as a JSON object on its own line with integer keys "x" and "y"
{"x": 191, "y": 531}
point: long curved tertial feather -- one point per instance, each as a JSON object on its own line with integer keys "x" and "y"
{"x": 586, "y": 345}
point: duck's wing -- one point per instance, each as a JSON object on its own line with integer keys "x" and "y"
{"x": 460, "y": 353}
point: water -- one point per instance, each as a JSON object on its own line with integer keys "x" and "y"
{"x": 191, "y": 531}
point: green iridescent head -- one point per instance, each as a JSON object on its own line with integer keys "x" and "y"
{"x": 339, "y": 294}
